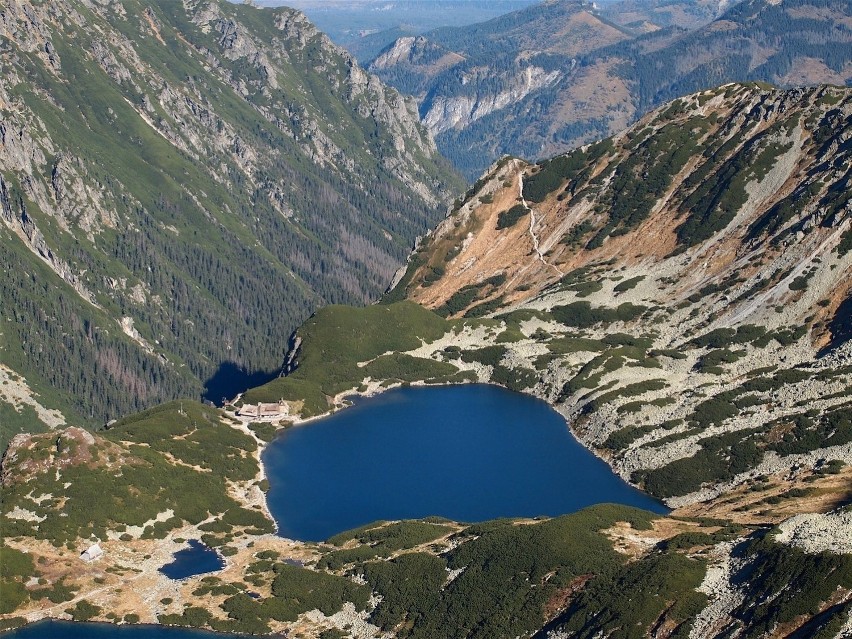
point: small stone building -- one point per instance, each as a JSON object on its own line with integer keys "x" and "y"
{"x": 264, "y": 410}
{"x": 93, "y": 552}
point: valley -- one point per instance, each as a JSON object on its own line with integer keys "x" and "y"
{"x": 182, "y": 184}
{"x": 198, "y": 192}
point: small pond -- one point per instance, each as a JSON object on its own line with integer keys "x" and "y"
{"x": 195, "y": 560}
{"x": 469, "y": 453}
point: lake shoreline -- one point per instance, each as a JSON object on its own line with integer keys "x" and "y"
{"x": 149, "y": 555}
{"x": 480, "y": 425}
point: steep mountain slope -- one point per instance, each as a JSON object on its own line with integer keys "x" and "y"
{"x": 679, "y": 292}
{"x": 529, "y": 88}
{"x": 708, "y": 246}
{"x": 181, "y": 183}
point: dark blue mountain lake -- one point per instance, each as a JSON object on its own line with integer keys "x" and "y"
{"x": 469, "y": 453}
{"x": 195, "y": 560}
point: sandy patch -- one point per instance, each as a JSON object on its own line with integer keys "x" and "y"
{"x": 14, "y": 390}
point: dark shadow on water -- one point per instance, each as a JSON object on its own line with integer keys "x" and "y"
{"x": 231, "y": 379}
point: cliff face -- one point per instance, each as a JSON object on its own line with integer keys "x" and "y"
{"x": 681, "y": 289}
{"x": 195, "y": 178}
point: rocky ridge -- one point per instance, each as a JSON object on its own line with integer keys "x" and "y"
{"x": 816, "y": 533}
{"x": 664, "y": 332}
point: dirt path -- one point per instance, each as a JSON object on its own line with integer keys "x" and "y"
{"x": 532, "y": 224}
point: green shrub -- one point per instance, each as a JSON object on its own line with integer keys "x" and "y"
{"x": 619, "y": 440}
{"x": 488, "y": 355}
{"x": 719, "y": 191}
{"x": 58, "y": 593}
{"x": 721, "y": 458}
{"x": 312, "y": 589}
{"x": 581, "y": 314}
{"x": 566, "y": 345}
{"x": 407, "y": 368}
{"x": 629, "y": 390}
{"x": 785, "y": 583}
{"x": 510, "y": 335}
{"x": 411, "y": 586}
{"x": 628, "y": 284}
{"x": 713, "y": 411}
{"x": 552, "y": 173}
{"x": 83, "y": 611}
{"x": 483, "y": 309}
{"x": 517, "y": 379}
{"x": 686, "y": 540}
{"x": 265, "y": 431}
{"x": 831, "y": 428}
{"x": 459, "y": 300}
{"x": 724, "y": 337}
{"x": 627, "y": 603}
{"x": 711, "y": 360}
{"x": 508, "y": 219}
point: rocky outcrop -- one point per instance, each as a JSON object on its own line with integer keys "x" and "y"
{"x": 404, "y": 49}
{"x": 816, "y": 533}
{"x": 441, "y": 113}
{"x": 29, "y": 456}
{"x": 17, "y": 219}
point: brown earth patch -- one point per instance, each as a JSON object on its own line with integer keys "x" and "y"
{"x": 486, "y": 251}
{"x": 559, "y": 601}
{"x": 635, "y": 542}
{"x": 824, "y": 315}
{"x": 746, "y": 504}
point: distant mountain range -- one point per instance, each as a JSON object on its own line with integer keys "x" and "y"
{"x": 180, "y": 185}
{"x": 365, "y": 27}
{"x": 550, "y": 77}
